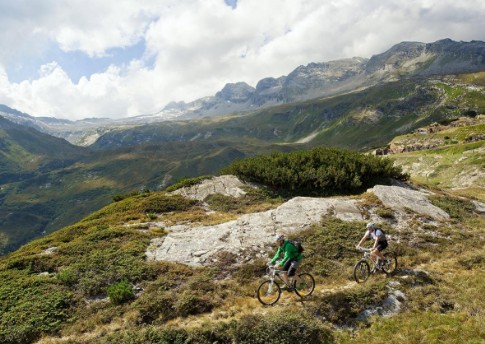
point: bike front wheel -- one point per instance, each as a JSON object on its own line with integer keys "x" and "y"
{"x": 269, "y": 293}
{"x": 306, "y": 285}
{"x": 390, "y": 264}
{"x": 361, "y": 271}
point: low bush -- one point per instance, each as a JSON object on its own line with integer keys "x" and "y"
{"x": 457, "y": 208}
{"x": 157, "y": 306}
{"x": 160, "y": 203}
{"x": 219, "y": 202}
{"x": 320, "y": 171}
{"x": 31, "y": 306}
{"x": 186, "y": 182}
{"x": 190, "y": 302}
{"x": 281, "y": 328}
{"x": 120, "y": 292}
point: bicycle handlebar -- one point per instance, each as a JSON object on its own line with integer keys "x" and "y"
{"x": 360, "y": 248}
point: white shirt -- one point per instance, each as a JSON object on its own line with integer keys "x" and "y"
{"x": 376, "y": 233}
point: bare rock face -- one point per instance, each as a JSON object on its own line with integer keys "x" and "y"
{"x": 251, "y": 235}
{"x": 254, "y": 232}
{"x": 226, "y": 185}
{"x": 398, "y": 199}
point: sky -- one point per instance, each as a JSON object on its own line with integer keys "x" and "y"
{"x": 76, "y": 59}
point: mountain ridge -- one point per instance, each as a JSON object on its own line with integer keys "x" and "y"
{"x": 314, "y": 80}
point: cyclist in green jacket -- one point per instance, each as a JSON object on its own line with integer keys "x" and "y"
{"x": 291, "y": 259}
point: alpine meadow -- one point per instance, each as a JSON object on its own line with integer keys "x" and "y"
{"x": 159, "y": 229}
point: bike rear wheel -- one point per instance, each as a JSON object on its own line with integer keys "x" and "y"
{"x": 390, "y": 264}
{"x": 361, "y": 271}
{"x": 306, "y": 286}
{"x": 269, "y": 293}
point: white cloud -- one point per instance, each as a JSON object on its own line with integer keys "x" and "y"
{"x": 200, "y": 45}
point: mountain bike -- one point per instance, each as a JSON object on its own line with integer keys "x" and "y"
{"x": 269, "y": 291}
{"x": 366, "y": 266}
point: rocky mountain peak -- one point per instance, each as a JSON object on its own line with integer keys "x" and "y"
{"x": 441, "y": 57}
{"x": 236, "y": 92}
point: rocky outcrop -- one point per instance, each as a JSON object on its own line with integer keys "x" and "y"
{"x": 252, "y": 235}
{"x": 401, "y": 200}
{"x": 225, "y": 185}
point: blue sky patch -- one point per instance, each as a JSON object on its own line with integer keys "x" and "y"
{"x": 231, "y": 3}
{"x": 76, "y": 63}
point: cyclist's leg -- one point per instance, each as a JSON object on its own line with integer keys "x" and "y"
{"x": 284, "y": 275}
{"x": 292, "y": 271}
{"x": 377, "y": 252}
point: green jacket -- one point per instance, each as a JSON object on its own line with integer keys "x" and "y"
{"x": 291, "y": 252}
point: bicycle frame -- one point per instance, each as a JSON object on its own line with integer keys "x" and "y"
{"x": 367, "y": 266}
{"x": 269, "y": 291}
{"x": 367, "y": 257}
{"x": 272, "y": 272}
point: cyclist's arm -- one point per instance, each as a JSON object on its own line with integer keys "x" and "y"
{"x": 375, "y": 243}
{"x": 276, "y": 256}
{"x": 364, "y": 238}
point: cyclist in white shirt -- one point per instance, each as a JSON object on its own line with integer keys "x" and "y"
{"x": 380, "y": 241}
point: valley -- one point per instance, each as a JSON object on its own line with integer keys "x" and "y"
{"x": 151, "y": 230}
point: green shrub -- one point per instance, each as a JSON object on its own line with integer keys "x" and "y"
{"x": 343, "y": 308}
{"x": 168, "y": 335}
{"x": 219, "y": 202}
{"x": 281, "y": 328}
{"x": 385, "y": 213}
{"x": 68, "y": 276}
{"x": 455, "y": 207}
{"x": 155, "y": 306}
{"x": 186, "y": 182}
{"x": 31, "y": 306}
{"x": 320, "y": 171}
{"x": 121, "y": 292}
{"x": 151, "y": 216}
{"x": 190, "y": 303}
{"x": 160, "y": 203}
{"x": 117, "y": 198}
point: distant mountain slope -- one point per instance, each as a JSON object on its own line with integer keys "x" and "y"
{"x": 406, "y": 59}
{"x": 27, "y": 156}
{"x": 315, "y": 80}
{"x": 450, "y": 156}
{"x": 26, "y": 150}
{"x": 439, "y": 58}
{"x": 359, "y": 120}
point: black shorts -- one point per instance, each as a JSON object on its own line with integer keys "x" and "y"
{"x": 381, "y": 245}
{"x": 291, "y": 270}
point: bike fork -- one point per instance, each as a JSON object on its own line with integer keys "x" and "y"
{"x": 270, "y": 288}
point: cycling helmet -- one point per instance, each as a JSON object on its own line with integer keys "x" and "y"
{"x": 279, "y": 237}
{"x": 370, "y": 225}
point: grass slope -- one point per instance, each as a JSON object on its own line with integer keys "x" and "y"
{"x": 455, "y": 162}
{"x": 56, "y": 287}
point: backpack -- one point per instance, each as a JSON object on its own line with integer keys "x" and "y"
{"x": 383, "y": 233}
{"x": 297, "y": 244}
